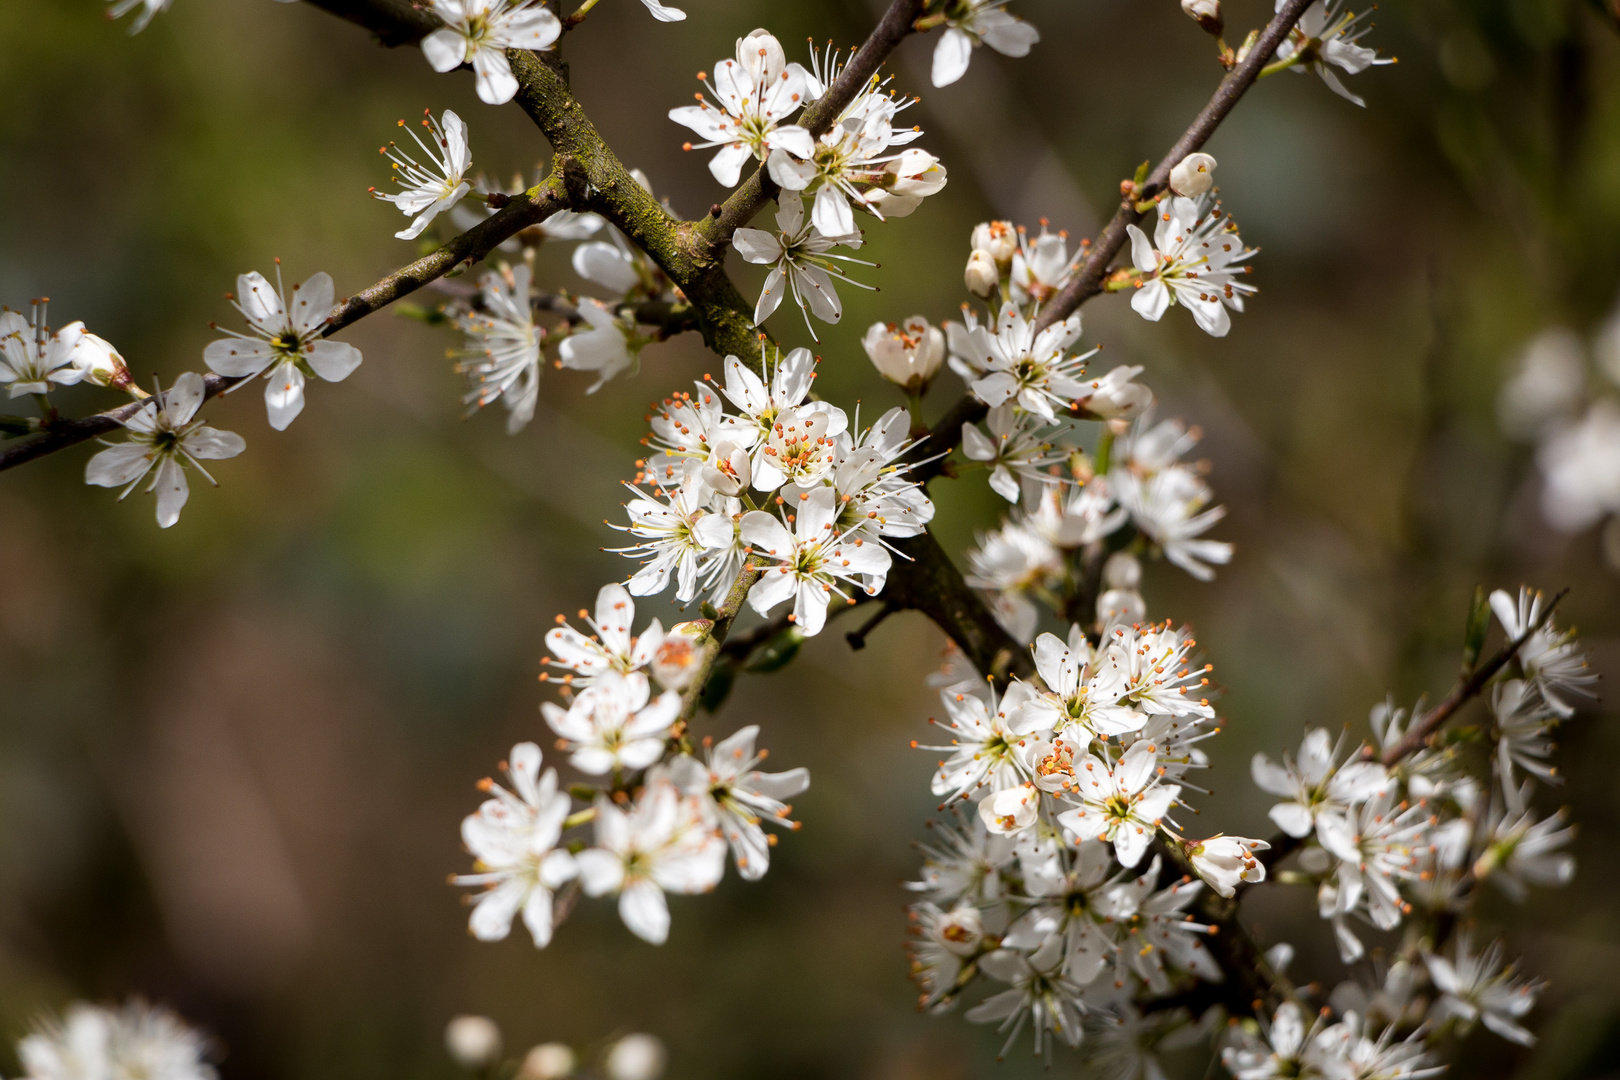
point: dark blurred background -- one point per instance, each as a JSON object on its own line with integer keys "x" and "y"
{"x": 234, "y": 754}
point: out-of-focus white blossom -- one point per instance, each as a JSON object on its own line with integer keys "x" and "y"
{"x": 1327, "y": 37}
{"x": 135, "y": 1042}
{"x": 1476, "y": 988}
{"x": 971, "y": 23}
{"x": 474, "y": 1042}
{"x": 636, "y": 1057}
{"x": 502, "y": 359}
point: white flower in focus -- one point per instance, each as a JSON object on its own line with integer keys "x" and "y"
{"x": 611, "y": 650}
{"x": 971, "y": 23}
{"x": 1027, "y": 366}
{"x": 661, "y": 844}
{"x": 1224, "y": 861}
{"x": 1039, "y": 268}
{"x": 286, "y": 344}
{"x": 1015, "y": 449}
{"x": 680, "y": 542}
{"x": 908, "y": 354}
{"x": 764, "y": 407}
{"x": 611, "y": 727}
{"x": 753, "y": 95}
{"x": 1193, "y": 175}
{"x": 810, "y": 561}
{"x": 1010, "y": 810}
{"x": 1081, "y": 689}
{"x": 503, "y": 358}
{"x": 1378, "y": 847}
{"x": 1193, "y": 260}
{"x": 135, "y": 1042}
{"x": 873, "y": 493}
{"x": 800, "y": 263}
{"x": 637, "y": 1056}
{"x": 117, "y": 9}
{"x": 428, "y": 190}
{"x": 1315, "y": 783}
{"x": 473, "y": 1042}
{"x": 33, "y": 359}
{"x": 478, "y": 32}
{"x": 516, "y": 839}
{"x": 965, "y": 865}
{"x": 1326, "y": 35}
{"x": 163, "y": 440}
{"x": 985, "y": 752}
{"x": 1477, "y": 988}
{"x": 1550, "y": 659}
{"x": 742, "y": 796}
{"x": 1122, "y": 803}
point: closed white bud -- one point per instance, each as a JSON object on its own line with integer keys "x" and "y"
{"x": 548, "y": 1061}
{"x": 677, "y": 660}
{"x": 1122, "y": 571}
{"x": 1194, "y": 175}
{"x": 474, "y": 1042}
{"x": 1206, "y": 13}
{"x": 981, "y": 274}
{"x": 908, "y": 354}
{"x": 999, "y": 238}
{"x": 636, "y": 1057}
{"x": 101, "y": 363}
{"x": 961, "y": 930}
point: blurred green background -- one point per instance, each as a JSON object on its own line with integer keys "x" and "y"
{"x": 233, "y": 755}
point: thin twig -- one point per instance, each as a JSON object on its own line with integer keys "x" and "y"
{"x": 525, "y": 210}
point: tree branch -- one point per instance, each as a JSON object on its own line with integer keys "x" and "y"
{"x": 530, "y": 208}
{"x": 1088, "y": 281}
{"x": 928, "y": 582}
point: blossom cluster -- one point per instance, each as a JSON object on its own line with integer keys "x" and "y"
{"x": 136, "y": 1041}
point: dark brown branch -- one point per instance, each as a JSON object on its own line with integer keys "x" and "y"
{"x": 530, "y": 208}
{"x": 1088, "y": 281}
{"x": 925, "y": 580}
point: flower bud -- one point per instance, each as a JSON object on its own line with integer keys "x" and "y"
{"x": 636, "y": 1057}
{"x": 1223, "y": 861}
{"x": 548, "y": 1061}
{"x": 474, "y": 1042}
{"x": 1120, "y": 607}
{"x": 1010, "y": 810}
{"x": 1194, "y": 175}
{"x": 101, "y": 363}
{"x": 999, "y": 238}
{"x": 981, "y": 274}
{"x": 961, "y": 930}
{"x": 677, "y": 660}
{"x": 1122, "y": 571}
{"x": 1206, "y": 13}
{"x": 908, "y": 354}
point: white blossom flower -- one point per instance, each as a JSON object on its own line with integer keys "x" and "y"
{"x": 664, "y": 13}
{"x": 1327, "y": 35}
{"x": 1523, "y": 732}
{"x": 1169, "y": 509}
{"x": 810, "y": 561}
{"x": 1039, "y": 268}
{"x": 611, "y": 650}
{"x": 163, "y": 440}
{"x": 1151, "y": 664}
{"x": 503, "y": 358}
{"x": 873, "y": 493}
{"x": 515, "y": 836}
{"x": 1378, "y": 847}
{"x": 661, "y": 844}
{"x": 117, "y": 9}
{"x": 908, "y": 354}
{"x": 800, "y": 263}
{"x": 101, "y": 363}
{"x": 611, "y": 347}
{"x": 1550, "y": 659}
{"x": 1547, "y": 385}
{"x": 1027, "y": 366}
{"x": 1278, "y": 1052}
{"x": 1115, "y": 396}
{"x": 679, "y": 541}
{"x": 33, "y": 359}
{"x": 741, "y": 796}
{"x": 637, "y": 1056}
{"x": 1011, "y": 562}
{"x": 1123, "y": 803}
{"x": 1224, "y": 861}
{"x": 1315, "y": 783}
{"x": 1170, "y": 940}
{"x": 1010, "y": 810}
{"x": 286, "y": 344}
{"x": 1477, "y": 988}
{"x": 1084, "y": 686}
{"x": 1015, "y": 450}
{"x": 768, "y": 408}
{"x": 939, "y": 942}
{"x": 478, "y": 32}
{"x": 135, "y": 1042}
{"x": 1192, "y": 260}
{"x": 1072, "y": 906}
{"x": 1039, "y": 995}
{"x": 985, "y": 752}
{"x": 753, "y": 95}
{"x": 1523, "y": 852}
{"x": 611, "y": 727}
{"x": 429, "y": 190}
{"x": 965, "y": 865}
{"x": 971, "y": 23}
